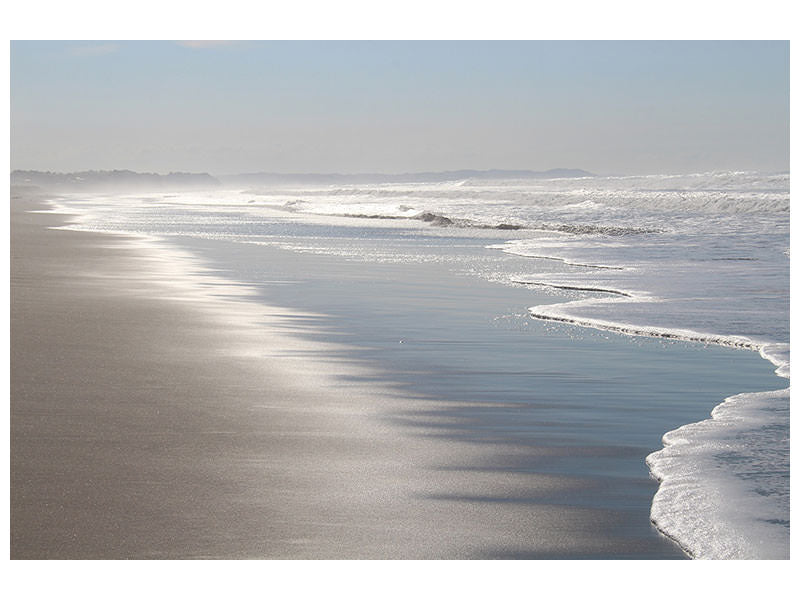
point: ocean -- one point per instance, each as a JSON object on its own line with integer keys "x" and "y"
{"x": 634, "y": 328}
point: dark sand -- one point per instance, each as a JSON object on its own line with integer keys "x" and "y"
{"x": 144, "y": 425}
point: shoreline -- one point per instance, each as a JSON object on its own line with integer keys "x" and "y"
{"x": 145, "y": 423}
{"x": 310, "y": 426}
{"x": 774, "y": 354}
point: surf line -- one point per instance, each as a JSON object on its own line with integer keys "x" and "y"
{"x": 672, "y": 486}
{"x": 556, "y": 312}
{"x": 572, "y": 264}
{"x": 573, "y": 287}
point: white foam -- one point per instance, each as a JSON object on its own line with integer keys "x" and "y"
{"x": 724, "y": 489}
{"x": 562, "y": 313}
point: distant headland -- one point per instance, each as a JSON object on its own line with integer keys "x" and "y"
{"x": 126, "y": 179}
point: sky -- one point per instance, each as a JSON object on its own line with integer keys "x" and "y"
{"x": 393, "y": 107}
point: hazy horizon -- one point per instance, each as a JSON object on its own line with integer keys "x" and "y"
{"x": 264, "y": 172}
{"x": 399, "y": 107}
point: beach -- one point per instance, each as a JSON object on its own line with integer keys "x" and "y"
{"x": 165, "y": 406}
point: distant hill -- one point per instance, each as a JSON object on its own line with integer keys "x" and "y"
{"x": 422, "y": 177}
{"x": 131, "y": 180}
{"x": 112, "y": 180}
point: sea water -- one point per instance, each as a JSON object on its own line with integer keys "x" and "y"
{"x": 700, "y": 257}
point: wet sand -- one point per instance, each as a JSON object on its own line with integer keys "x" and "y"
{"x": 150, "y": 419}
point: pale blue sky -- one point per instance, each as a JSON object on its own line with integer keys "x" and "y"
{"x": 608, "y": 107}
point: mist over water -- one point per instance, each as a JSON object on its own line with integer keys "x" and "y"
{"x": 701, "y": 257}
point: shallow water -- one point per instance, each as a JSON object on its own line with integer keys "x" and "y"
{"x": 537, "y": 398}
